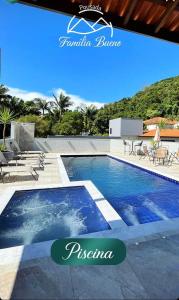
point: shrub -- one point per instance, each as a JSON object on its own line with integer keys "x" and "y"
{"x": 71, "y": 124}
{"x": 42, "y": 125}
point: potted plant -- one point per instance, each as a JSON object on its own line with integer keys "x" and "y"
{"x": 2, "y": 148}
{"x": 153, "y": 144}
{"x": 6, "y": 116}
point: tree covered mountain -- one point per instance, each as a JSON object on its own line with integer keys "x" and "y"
{"x": 158, "y": 99}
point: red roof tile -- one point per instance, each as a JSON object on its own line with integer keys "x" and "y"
{"x": 163, "y": 133}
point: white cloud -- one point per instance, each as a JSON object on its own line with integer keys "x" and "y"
{"x": 25, "y": 95}
{"x": 77, "y": 100}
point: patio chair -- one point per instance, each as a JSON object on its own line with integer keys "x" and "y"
{"x": 174, "y": 156}
{"x": 3, "y": 174}
{"x": 145, "y": 152}
{"x": 126, "y": 145}
{"x": 161, "y": 154}
{"x": 19, "y": 169}
{"x": 15, "y": 147}
{"x": 137, "y": 147}
{"x": 36, "y": 163}
{"x": 9, "y": 161}
{"x": 18, "y": 155}
{"x": 39, "y": 163}
{"x": 21, "y": 154}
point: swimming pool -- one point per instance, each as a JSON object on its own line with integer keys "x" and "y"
{"x": 137, "y": 196}
{"x": 33, "y": 216}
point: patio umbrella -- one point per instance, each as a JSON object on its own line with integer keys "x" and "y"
{"x": 157, "y": 135}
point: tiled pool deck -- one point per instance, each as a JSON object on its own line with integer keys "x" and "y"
{"x": 47, "y": 176}
{"x": 150, "y": 271}
{"x": 170, "y": 171}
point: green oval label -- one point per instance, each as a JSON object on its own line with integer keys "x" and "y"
{"x": 88, "y": 251}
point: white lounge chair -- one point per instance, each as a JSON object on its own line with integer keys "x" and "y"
{"x": 20, "y": 169}
{"x": 13, "y": 145}
{"x": 3, "y": 174}
{"x": 31, "y": 166}
{"x": 10, "y": 161}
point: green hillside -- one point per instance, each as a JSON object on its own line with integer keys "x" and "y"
{"x": 158, "y": 99}
{"x": 56, "y": 117}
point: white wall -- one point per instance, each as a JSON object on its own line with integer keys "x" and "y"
{"x": 115, "y": 126}
{"x": 23, "y": 134}
{"x": 72, "y": 145}
{"x": 116, "y": 145}
{"x": 131, "y": 127}
{"x": 171, "y": 146}
{"x": 123, "y": 127}
{"x": 87, "y": 145}
{"x": 154, "y": 126}
{"x": 176, "y": 125}
{"x": 15, "y": 131}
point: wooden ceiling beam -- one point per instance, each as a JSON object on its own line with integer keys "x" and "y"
{"x": 174, "y": 26}
{"x": 147, "y": 30}
{"x": 166, "y": 14}
{"x": 139, "y": 26}
{"x": 124, "y": 8}
{"x": 163, "y": 2}
{"x": 108, "y": 5}
{"x": 132, "y": 6}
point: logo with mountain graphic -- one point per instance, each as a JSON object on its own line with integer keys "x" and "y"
{"x": 84, "y": 27}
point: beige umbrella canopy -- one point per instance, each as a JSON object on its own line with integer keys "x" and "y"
{"x": 157, "y": 135}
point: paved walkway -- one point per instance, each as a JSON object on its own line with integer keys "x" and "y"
{"x": 49, "y": 175}
{"x": 172, "y": 170}
{"x": 150, "y": 271}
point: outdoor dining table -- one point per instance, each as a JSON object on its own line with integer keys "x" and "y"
{"x": 132, "y": 152}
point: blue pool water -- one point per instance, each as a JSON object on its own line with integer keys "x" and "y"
{"x": 138, "y": 196}
{"x": 40, "y": 215}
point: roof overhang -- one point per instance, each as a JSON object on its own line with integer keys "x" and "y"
{"x": 164, "y": 133}
{"x": 156, "y": 18}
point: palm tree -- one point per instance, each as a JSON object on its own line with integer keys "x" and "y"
{"x": 89, "y": 113}
{"x": 16, "y": 105}
{"x": 3, "y": 95}
{"x": 3, "y": 90}
{"x": 60, "y": 105}
{"x": 6, "y": 116}
{"x": 42, "y": 105}
{"x": 30, "y": 108}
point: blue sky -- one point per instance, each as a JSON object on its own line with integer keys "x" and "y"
{"x": 34, "y": 64}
